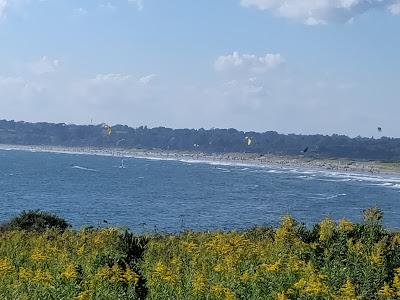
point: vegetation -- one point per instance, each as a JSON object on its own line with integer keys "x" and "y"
{"x": 209, "y": 141}
{"x": 331, "y": 260}
{"x": 35, "y": 220}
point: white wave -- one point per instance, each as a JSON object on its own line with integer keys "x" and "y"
{"x": 327, "y": 197}
{"x": 84, "y": 168}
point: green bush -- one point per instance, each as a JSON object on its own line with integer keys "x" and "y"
{"x": 35, "y": 220}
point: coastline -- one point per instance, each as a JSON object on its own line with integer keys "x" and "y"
{"x": 241, "y": 159}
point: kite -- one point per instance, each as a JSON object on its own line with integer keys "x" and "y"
{"x": 248, "y": 140}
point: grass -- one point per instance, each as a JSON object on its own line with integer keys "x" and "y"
{"x": 331, "y": 260}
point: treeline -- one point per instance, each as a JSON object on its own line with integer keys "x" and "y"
{"x": 209, "y": 141}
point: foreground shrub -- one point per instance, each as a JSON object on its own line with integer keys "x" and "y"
{"x": 86, "y": 264}
{"x": 35, "y": 220}
{"x": 331, "y": 260}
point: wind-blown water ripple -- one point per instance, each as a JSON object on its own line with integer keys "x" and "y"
{"x": 170, "y": 195}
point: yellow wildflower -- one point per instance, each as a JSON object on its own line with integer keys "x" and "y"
{"x": 104, "y": 273}
{"x": 43, "y": 277}
{"x": 284, "y": 231}
{"x": 81, "y": 250}
{"x": 228, "y": 294}
{"x": 69, "y": 272}
{"x": 216, "y": 289}
{"x": 218, "y": 268}
{"x": 24, "y": 274}
{"x": 198, "y": 283}
{"x": 222, "y": 291}
{"x": 282, "y": 296}
{"x": 327, "y": 229}
{"x": 271, "y": 267}
{"x": 5, "y": 266}
{"x": 168, "y": 278}
{"x": 117, "y": 274}
{"x": 84, "y": 295}
{"x": 386, "y": 292}
{"x": 245, "y": 276}
{"x": 130, "y": 276}
{"x": 313, "y": 284}
{"x": 160, "y": 268}
{"x": 347, "y": 292}
{"x": 98, "y": 240}
{"x": 377, "y": 253}
{"x": 38, "y": 255}
{"x": 396, "y": 282}
{"x": 345, "y": 225}
{"x": 190, "y": 246}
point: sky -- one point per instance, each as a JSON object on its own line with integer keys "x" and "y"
{"x": 292, "y": 66}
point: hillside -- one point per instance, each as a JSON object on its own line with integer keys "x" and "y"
{"x": 208, "y": 141}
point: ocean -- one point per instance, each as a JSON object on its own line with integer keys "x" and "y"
{"x": 170, "y": 195}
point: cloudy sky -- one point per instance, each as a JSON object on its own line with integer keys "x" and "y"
{"x": 294, "y": 66}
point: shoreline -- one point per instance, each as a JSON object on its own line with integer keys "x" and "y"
{"x": 240, "y": 159}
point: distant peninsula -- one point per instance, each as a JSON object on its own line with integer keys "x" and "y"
{"x": 208, "y": 141}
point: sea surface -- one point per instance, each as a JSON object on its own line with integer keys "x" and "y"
{"x": 169, "y": 196}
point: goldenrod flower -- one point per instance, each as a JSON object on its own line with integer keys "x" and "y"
{"x": 38, "y": 255}
{"x": 190, "y": 246}
{"x": 224, "y": 292}
{"x": 198, "y": 283}
{"x": 117, "y": 273}
{"x": 104, "y": 273}
{"x": 69, "y": 272}
{"x": 377, "y": 253}
{"x": 326, "y": 230}
{"x": 160, "y": 268}
{"x": 282, "y": 296}
{"x": 218, "y": 268}
{"x": 43, "y": 277}
{"x": 84, "y": 295}
{"x": 271, "y": 267}
{"x": 386, "y": 292}
{"x": 347, "y": 292}
{"x": 24, "y": 274}
{"x": 130, "y": 276}
{"x": 5, "y": 266}
{"x": 345, "y": 225}
{"x": 81, "y": 250}
{"x": 245, "y": 276}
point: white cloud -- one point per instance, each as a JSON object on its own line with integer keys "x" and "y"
{"x": 107, "y": 6}
{"x": 3, "y": 7}
{"x": 44, "y": 66}
{"x": 102, "y": 78}
{"x": 145, "y": 80}
{"x": 394, "y": 8}
{"x": 138, "y": 3}
{"x": 315, "y": 12}
{"x": 248, "y": 63}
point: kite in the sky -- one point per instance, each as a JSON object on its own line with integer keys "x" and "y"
{"x": 107, "y": 129}
{"x": 248, "y": 140}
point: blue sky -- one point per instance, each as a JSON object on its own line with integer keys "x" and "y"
{"x": 317, "y": 66}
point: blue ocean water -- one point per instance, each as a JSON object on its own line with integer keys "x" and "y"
{"x": 150, "y": 194}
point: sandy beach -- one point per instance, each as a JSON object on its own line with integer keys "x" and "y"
{"x": 268, "y": 160}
